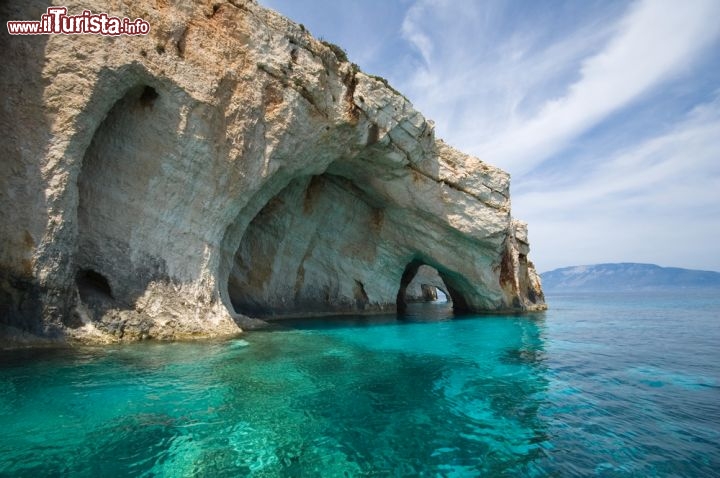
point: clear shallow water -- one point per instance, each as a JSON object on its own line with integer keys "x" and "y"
{"x": 597, "y": 386}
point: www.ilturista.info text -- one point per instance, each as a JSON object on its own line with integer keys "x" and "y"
{"x": 57, "y": 21}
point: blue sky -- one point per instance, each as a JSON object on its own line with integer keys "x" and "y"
{"x": 606, "y": 113}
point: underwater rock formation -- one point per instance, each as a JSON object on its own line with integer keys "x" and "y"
{"x": 227, "y": 165}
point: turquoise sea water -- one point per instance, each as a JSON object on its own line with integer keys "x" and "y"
{"x": 600, "y": 385}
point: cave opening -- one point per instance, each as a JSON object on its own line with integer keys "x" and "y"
{"x": 313, "y": 249}
{"x": 118, "y": 172}
{"x": 423, "y": 283}
{"x": 426, "y": 286}
{"x": 148, "y": 96}
{"x": 323, "y": 246}
{"x": 92, "y": 284}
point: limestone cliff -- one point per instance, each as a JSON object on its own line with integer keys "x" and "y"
{"x": 227, "y": 165}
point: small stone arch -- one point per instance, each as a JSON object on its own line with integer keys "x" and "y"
{"x": 426, "y": 285}
{"x": 451, "y": 280}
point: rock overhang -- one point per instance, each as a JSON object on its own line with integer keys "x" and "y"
{"x": 160, "y": 195}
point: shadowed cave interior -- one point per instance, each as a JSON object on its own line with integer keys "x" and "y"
{"x": 118, "y": 168}
{"x": 426, "y": 286}
{"x": 324, "y": 246}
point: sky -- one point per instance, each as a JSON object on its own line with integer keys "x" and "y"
{"x": 605, "y": 113}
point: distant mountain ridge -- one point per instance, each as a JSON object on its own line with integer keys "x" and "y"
{"x": 627, "y": 276}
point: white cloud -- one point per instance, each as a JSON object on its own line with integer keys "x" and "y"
{"x": 657, "y": 201}
{"x": 654, "y": 41}
{"x": 485, "y": 68}
{"x": 414, "y": 33}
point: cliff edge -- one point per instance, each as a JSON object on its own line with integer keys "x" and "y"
{"x": 227, "y": 165}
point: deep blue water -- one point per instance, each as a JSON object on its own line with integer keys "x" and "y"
{"x": 600, "y": 385}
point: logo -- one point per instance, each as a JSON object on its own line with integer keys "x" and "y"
{"x": 57, "y": 21}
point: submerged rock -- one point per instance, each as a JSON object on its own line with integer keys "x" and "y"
{"x": 228, "y": 165}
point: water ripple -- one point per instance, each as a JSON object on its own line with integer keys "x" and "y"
{"x": 586, "y": 390}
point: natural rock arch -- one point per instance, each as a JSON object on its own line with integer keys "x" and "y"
{"x": 426, "y": 285}
{"x": 311, "y": 250}
{"x": 452, "y": 281}
{"x": 325, "y": 245}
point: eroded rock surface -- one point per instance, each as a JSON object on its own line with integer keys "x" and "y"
{"x": 227, "y": 165}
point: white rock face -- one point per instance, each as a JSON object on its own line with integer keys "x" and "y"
{"x": 227, "y": 165}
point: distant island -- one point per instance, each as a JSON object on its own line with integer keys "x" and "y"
{"x": 627, "y": 276}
